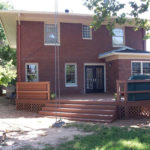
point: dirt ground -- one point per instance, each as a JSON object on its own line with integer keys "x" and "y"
{"x": 26, "y": 128}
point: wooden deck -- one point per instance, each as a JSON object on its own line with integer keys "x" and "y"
{"x": 35, "y": 96}
{"x": 83, "y": 107}
{"x": 101, "y": 107}
{"x": 89, "y": 97}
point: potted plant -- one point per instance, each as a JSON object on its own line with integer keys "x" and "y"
{"x": 115, "y": 96}
{"x": 52, "y": 95}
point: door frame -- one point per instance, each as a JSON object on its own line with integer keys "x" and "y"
{"x": 95, "y": 64}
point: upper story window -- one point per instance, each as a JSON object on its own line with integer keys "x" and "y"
{"x": 141, "y": 68}
{"x": 51, "y": 34}
{"x": 31, "y": 72}
{"x": 86, "y": 32}
{"x": 70, "y": 74}
{"x": 118, "y": 37}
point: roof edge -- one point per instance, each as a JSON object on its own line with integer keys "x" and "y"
{"x": 127, "y": 54}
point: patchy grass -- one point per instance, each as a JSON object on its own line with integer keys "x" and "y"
{"x": 104, "y": 138}
{"x": 27, "y": 147}
{"x": 48, "y": 147}
{"x": 86, "y": 127}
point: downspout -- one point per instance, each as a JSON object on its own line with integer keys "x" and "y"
{"x": 18, "y": 49}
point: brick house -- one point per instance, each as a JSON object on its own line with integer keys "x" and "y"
{"x": 90, "y": 61}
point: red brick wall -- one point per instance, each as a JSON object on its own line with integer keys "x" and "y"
{"x": 134, "y": 39}
{"x": 111, "y": 75}
{"x": 73, "y": 49}
{"x": 117, "y": 70}
{"x": 120, "y": 70}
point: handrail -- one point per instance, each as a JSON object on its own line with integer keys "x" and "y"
{"x": 124, "y": 91}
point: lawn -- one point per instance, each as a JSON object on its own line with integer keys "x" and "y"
{"x": 103, "y": 138}
{"x": 108, "y": 138}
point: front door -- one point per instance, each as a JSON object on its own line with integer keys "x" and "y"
{"x": 94, "y": 79}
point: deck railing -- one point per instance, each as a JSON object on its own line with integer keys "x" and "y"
{"x": 134, "y": 108}
{"x": 32, "y": 96}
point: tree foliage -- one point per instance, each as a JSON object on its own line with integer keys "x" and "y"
{"x": 7, "y": 72}
{"x": 7, "y": 54}
{"x": 114, "y": 12}
{"x": 5, "y": 5}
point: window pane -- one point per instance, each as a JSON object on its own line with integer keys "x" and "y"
{"x": 89, "y": 73}
{"x": 86, "y": 32}
{"x": 51, "y": 34}
{"x": 31, "y": 69}
{"x": 117, "y": 41}
{"x": 118, "y": 32}
{"x": 70, "y": 74}
{"x": 32, "y": 73}
{"x": 31, "y": 78}
{"x": 146, "y": 68}
{"x": 136, "y": 68}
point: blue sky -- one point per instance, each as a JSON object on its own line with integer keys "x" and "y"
{"x": 75, "y": 6}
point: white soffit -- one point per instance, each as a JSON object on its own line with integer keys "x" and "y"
{"x": 8, "y": 21}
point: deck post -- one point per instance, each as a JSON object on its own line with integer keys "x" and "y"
{"x": 48, "y": 89}
{"x": 118, "y": 90}
{"x": 126, "y": 99}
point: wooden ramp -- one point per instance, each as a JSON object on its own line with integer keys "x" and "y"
{"x": 79, "y": 110}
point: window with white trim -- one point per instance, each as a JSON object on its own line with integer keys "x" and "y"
{"x": 50, "y": 34}
{"x": 70, "y": 74}
{"x": 86, "y": 32}
{"x": 31, "y": 72}
{"x": 141, "y": 68}
{"x": 118, "y": 37}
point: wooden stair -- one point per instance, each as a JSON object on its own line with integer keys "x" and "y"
{"x": 81, "y": 110}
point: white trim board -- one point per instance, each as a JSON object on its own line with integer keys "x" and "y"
{"x": 140, "y": 55}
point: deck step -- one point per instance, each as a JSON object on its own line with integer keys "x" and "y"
{"x": 77, "y": 115}
{"x": 87, "y": 102}
{"x": 77, "y": 110}
{"x": 81, "y": 110}
{"x": 81, "y": 106}
{"x": 83, "y": 119}
{"x": 90, "y": 120}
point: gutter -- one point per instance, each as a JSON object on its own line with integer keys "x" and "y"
{"x": 18, "y": 49}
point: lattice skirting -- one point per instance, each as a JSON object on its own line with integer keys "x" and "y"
{"x": 120, "y": 112}
{"x": 32, "y": 107}
{"x": 133, "y": 111}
